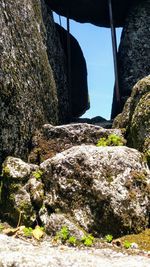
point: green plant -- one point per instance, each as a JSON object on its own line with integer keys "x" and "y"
{"x": 87, "y": 240}
{"x": 111, "y": 140}
{"x": 127, "y": 244}
{"x": 37, "y": 174}
{"x": 72, "y": 240}
{"x": 28, "y": 231}
{"x": 63, "y": 234}
{"x": 108, "y": 238}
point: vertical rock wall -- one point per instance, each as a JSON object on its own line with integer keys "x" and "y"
{"x": 28, "y": 93}
{"x": 134, "y": 51}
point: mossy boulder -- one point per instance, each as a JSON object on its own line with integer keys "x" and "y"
{"x": 33, "y": 75}
{"x": 51, "y": 140}
{"x": 135, "y": 117}
{"x": 104, "y": 189}
{"x": 21, "y": 193}
{"x": 99, "y": 189}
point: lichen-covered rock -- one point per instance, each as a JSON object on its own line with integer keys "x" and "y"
{"x": 54, "y": 222}
{"x": 54, "y": 139}
{"x": 21, "y": 193}
{"x": 104, "y": 189}
{"x": 134, "y": 51}
{"x": 31, "y": 77}
{"x": 135, "y": 117}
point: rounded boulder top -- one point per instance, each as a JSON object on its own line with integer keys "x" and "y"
{"x": 93, "y": 11}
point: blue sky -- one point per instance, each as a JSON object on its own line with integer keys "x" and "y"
{"x": 96, "y": 46}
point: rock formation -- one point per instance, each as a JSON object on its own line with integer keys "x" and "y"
{"x": 34, "y": 76}
{"x": 51, "y": 140}
{"x": 28, "y": 94}
{"x": 68, "y": 179}
{"x": 92, "y": 11}
{"x": 78, "y": 90}
{"x": 101, "y": 189}
{"x": 134, "y": 52}
{"x": 135, "y": 117}
{"x": 134, "y": 17}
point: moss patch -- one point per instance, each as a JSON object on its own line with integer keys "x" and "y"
{"x": 142, "y": 239}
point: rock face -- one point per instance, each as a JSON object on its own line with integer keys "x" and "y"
{"x": 15, "y": 252}
{"x": 134, "y": 52}
{"x": 92, "y": 11}
{"x": 34, "y": 76}
{"x": 28, "y": 94}
{"x": 78, "y": 88}
{"x": 20, "y": 195}
{"x": 135, "y": 117}
{"x": 56, "y": 57}
{"x": 99, "y": 189}
{"x": 54, "y": 139}
{"x": 104, "y": 189}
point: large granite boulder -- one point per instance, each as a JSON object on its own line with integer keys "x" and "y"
{"x": 87, "y": 188}
{"x": 134, "y": 52}
{"x": 51, "y": 140}
{"x": 92, "y": 11}
{"x": 103, "y": 189}
{"x": 28, "y": 94}
{"x": 77, "y": 70}
{"x": 135, "y": 117}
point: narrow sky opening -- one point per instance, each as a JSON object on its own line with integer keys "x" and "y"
{"x": 96, "y": 45}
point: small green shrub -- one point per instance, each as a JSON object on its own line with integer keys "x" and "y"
{"x": 111, "y": 140}
{"x": 127, "y": 244}
{"x": 28, "y": 231}
{"x": 72, "y": 240}
{"x": 87, "y": 240}
{"x": 108, "y": 238}
{"x": 63, "y": 234}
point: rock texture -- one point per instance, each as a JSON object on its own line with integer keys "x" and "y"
{"x": 92, "y": 11}
{"x": 19, "y": 194}
{"x": 54, "y": 139}
{"x": 56, "y": 57}
{"x": 104, "y": 189}
{"x": 15, "y": 252}
{"x": 28, "y": 94}
{"x": 78, "y": 88}
{"x": 134, "y": 52}
{"x": 135, "y": 117}
{"x": 99, "y": 189}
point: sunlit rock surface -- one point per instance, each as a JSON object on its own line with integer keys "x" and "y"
{"x": 105, "y": 189}
{"x": 51, "y": 139}
{"x": 15, "y": 252}
{"x": 135, "y": 117}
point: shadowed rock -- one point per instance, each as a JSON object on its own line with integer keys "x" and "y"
{"x": 78, "y": 91}
{"x": 92, "y": 11}
{"x": 134, "y": 52}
